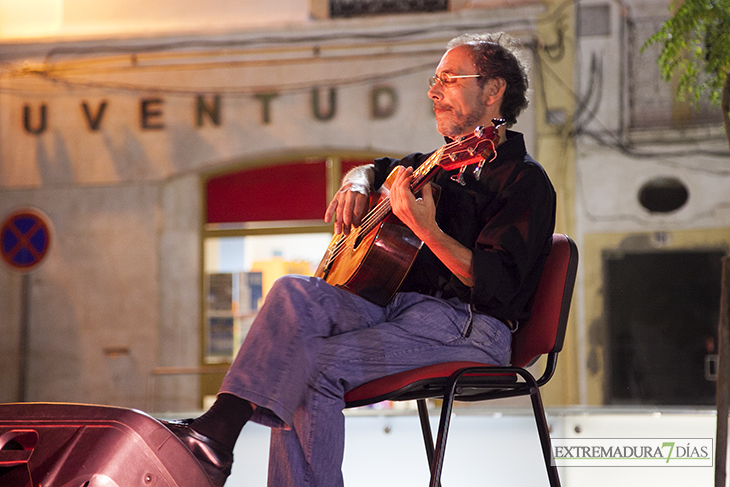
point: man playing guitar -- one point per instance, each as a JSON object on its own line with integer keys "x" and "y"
{"x": 479, "y": 255}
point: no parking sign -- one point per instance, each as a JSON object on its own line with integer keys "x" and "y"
{"x": 25, "y": 236}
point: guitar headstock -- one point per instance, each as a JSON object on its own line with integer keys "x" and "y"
{"x": 476, "y": 148}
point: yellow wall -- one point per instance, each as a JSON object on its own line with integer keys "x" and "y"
{"x": 552, "y": 85}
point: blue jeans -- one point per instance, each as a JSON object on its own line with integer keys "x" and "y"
{"x": 312, "y": 342}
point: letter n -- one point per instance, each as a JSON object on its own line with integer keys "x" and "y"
{"x": 213, "y": 111}
{"x": 41, "y": 126}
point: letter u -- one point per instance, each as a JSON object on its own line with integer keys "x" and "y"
{"x": 41, "y": 127}
{"x": 317, "y": 111}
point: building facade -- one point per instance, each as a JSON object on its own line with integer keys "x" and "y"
{"x": 652, "y": 188}
{"x": 169, "y": 145}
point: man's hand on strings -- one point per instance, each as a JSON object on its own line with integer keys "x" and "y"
{"x": 347, "y": 207}
{"x": 418, "y": 214}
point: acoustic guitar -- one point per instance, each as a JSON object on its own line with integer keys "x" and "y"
{"x": 374, "y": 258}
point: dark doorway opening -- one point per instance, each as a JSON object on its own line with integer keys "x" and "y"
{"x": 663, "y": 310}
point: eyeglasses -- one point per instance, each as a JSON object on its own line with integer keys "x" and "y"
{"x": 447, "y": 79}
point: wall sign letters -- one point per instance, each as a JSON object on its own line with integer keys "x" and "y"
{"x": 208, "y": 109}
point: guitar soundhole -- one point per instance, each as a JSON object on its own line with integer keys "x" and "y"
{"x": 358, "y": 241}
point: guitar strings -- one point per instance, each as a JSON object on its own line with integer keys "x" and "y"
{"x": 383, "y": 208}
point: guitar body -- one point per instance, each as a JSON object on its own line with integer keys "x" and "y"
{"x": 375, "y": 268}
{"x": 375, "y": 257}
{"x": 371, "y": 263}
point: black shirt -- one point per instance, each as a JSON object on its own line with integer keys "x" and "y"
{"x": 507, "y": 217}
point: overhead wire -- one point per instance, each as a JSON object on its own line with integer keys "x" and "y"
{"x": 126, "y": 48}
{"x": 615, "y": 141}
{"x": 50, "y": 69}
{"x": 279, "y": 88}
{"x": 54, "y": 70}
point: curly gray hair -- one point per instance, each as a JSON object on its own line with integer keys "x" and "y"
{"x": 498, "y": 55}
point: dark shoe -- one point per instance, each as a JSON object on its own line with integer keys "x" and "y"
{"x": 215, "y": 459}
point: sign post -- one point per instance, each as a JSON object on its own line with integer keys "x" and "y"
{"x": 25, "y": 236}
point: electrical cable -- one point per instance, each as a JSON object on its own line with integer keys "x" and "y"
{"x": 131, "y": 48}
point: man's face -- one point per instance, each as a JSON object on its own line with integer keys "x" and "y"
{"x": 459, "y": 105}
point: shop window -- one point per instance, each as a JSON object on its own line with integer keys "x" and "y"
{"x": 261, "y": 224}
{"x": 239, "y": 272}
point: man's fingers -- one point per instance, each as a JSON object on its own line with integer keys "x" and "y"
{"x": 427, "y": 194}
{"x": 346, "y": 215}
{"x": 334, "y": 211}
{"x": 346, "y": 210}
{"x": 361, "y": 205}
{"x": 401, "y": 190}
{"x": 330, "y": 210}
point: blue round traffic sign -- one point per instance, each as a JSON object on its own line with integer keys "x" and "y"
{"x": 25, "y": 236}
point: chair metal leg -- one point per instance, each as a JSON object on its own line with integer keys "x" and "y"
{"x": 427, "y": 435}
{"x": 426, "y": 431}
{"x": 543, "y": 431}
{"x": 538, "y": 410}
{"x": 444, "y": 423}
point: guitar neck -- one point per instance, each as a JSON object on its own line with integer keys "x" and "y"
{"x": 421, "y": 175}
{"x": 479, "y": 147}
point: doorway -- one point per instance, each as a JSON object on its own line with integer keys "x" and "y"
{"x": 663, "y": 311}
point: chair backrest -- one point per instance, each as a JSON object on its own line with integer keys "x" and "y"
{"x": 544, "y": 332}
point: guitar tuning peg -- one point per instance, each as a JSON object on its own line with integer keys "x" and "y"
{"x": 478, "y": 169}
{"x": 479, "y": 131}
{"x": 459, "y": 178}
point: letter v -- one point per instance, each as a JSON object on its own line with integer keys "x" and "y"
{"x": 94, "y": 121}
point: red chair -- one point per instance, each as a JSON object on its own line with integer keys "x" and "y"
{"x": 542, "y": 334}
